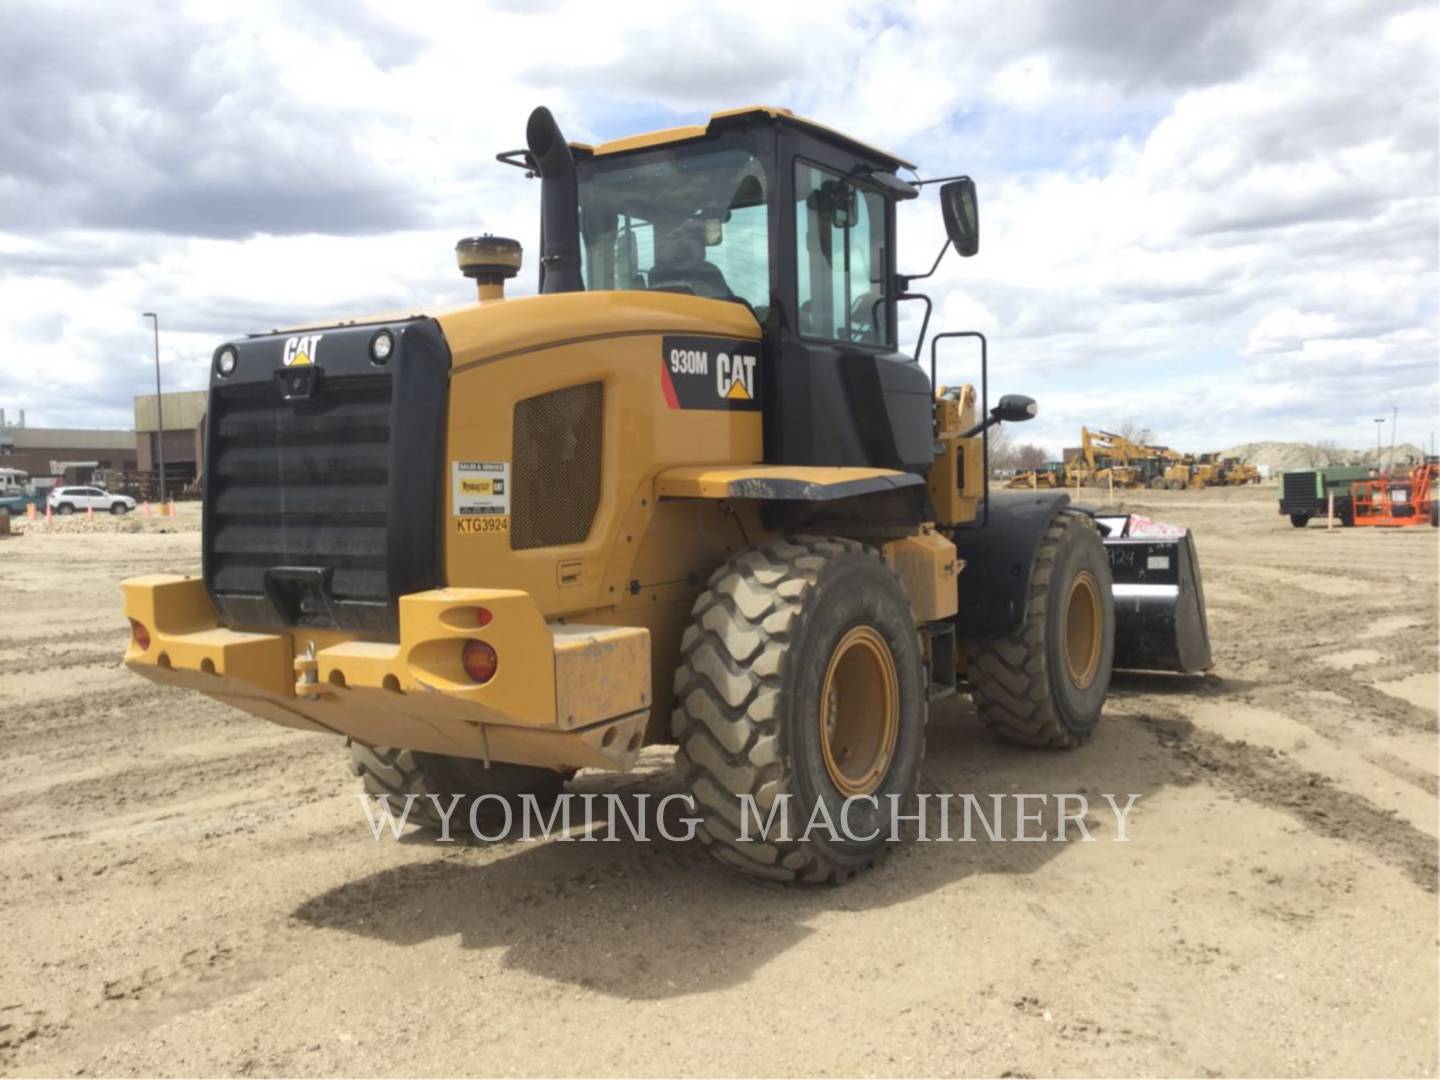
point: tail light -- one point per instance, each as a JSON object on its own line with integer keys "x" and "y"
{"x": 479, "y": 660}
{"x": 139, "y": 635}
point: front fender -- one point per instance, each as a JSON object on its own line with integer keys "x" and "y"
{"x": 999, "y": 557}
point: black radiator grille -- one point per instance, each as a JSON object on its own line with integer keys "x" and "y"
{"x": 302, "y": 485}
{"x": 323, "y": 483}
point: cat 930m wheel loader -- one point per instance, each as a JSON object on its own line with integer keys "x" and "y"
{"x": 690, "y": 493}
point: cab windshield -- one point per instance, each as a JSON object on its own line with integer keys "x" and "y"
{"x": 688, "y": 219}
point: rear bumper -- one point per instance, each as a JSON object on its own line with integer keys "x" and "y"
{"x": 563, "y": 696}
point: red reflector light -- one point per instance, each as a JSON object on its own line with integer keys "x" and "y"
{"x": 479, "y": 660}
{"x": 482, "y": 616}
{"x": 140, "y": 635}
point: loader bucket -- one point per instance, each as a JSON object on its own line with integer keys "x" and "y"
{"x": 1160, "y": 622}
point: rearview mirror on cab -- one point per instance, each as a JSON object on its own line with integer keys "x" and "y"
{"x": 962, "y": 215}
{"x": 1014, "y": 408}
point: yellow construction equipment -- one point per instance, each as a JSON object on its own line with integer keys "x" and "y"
{"x": 1108, "y": 459}
{"x": 1043, "y": 479}
{"x": 1238, "y": 472}
{"x": 690, "y": 493}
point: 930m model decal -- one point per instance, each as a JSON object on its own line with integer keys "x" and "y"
{"x": 710, "y": 373}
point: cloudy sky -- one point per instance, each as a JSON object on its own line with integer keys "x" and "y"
{"x": 1217, "y": 218}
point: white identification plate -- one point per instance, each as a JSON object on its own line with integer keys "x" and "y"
{"x": 482, "y": 488}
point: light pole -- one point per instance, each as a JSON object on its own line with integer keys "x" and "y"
{"x": 159, "y": 409}
{"x": 1378, "y": 421}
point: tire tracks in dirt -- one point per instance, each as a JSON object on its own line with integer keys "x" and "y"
{"x": 1262, "y": 775}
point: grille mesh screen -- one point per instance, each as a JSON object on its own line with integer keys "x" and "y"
{"x": 557, "y": 466}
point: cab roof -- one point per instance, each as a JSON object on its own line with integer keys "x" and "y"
{"x": 729, "y": 117}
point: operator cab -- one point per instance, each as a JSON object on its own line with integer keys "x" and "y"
{"x": 783, "y": 215}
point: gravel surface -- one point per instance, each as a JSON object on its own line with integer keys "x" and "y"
{"x": 190, "y": 891}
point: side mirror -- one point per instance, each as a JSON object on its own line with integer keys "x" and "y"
{"x": 962, "y": 215}
{"x": 1014, "y": 408}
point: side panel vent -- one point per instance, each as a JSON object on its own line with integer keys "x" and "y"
{"x": 557, "y": 466}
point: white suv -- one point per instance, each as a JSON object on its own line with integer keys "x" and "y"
{"x": 67, "y": 500}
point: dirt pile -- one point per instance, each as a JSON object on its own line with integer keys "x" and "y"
{"x": 1282, "y": 456}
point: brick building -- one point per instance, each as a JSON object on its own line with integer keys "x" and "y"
{"x": 73, "y": 453}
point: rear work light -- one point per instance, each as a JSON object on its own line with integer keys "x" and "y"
{"x": 479, "y": 660}
{"x": 139, "y": 635}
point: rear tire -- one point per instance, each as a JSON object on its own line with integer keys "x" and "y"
{"x": 397, "y": 773}
{"x": 1299, "y": 520}
{"x": 1158, "y": 484}
{"x": 1044, "y": 683}
{"x": 800, "y": 676}
{"x": 119, "y": 508}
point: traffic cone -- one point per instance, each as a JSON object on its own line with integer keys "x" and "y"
{"x": 48, "y": 514}
{"x": 172, "y": 508}
{"x": 147, "y": 509}
{"x": 90, "y": 512}
{"x": 30, "y": 511}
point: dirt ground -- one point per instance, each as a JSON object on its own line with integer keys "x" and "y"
{"x": 190, "y": 891}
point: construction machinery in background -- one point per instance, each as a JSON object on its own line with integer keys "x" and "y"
{"x": 1235, "y": 473}
{"x": 690, "y": 493}
{"x": 1311, "y": 493}
{"x": 1398, "y": 501}
{"x": 1107, "y": 459}
{"x": 1104, "y": 456}
{"x": 1172, "y": 471}
{"x": 1049, "y": 476}
{"x": 1202, "y": 470}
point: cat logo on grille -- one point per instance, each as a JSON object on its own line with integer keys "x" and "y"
{"x": 300, "y": 351}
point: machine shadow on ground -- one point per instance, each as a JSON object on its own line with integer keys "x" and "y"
{"x": 640, "y": 919}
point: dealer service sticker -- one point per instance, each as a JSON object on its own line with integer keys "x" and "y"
{"x": 482, "y": 496}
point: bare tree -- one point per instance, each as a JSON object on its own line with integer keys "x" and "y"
{"x": 1030, "y": 456}
{"x": 1133, "y": 430}
{"x": 1002, "y": 449}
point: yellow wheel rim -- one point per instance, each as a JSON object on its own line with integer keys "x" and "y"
{"x": 859, "y": 712}
{"x": 1081, "y": 621}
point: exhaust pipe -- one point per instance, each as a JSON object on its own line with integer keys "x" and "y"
{"x": 559, "y": 204}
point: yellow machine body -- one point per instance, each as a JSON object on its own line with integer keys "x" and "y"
{"x": 587, "y": 634}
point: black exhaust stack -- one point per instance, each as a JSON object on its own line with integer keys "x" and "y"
{"x": 559, "y": 205}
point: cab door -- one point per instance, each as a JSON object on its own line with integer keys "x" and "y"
{"x": 842, "y": 394}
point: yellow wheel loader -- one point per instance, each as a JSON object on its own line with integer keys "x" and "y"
{"x": 1050, "y": 476}
{"x": 692, "y": 492}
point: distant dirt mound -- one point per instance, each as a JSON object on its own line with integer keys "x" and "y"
{"x": 1282, "y": 456}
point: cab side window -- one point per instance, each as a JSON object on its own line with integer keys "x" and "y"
{"x": 840, "y": 258}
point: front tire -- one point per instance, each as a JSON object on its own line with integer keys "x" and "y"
{"x": 119, "y": 509}
{"x": 1299, "y": 520}
{"x": 1044, "y": 683}
{"x": 801, "y": 682}
{"x": 395, "y": 772}
{"x": 65, "y": 508}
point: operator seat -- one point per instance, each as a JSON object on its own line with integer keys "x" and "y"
{"x": 680, "y": 264}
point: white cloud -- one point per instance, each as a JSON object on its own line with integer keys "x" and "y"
{"x": 1212, "y": 217}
